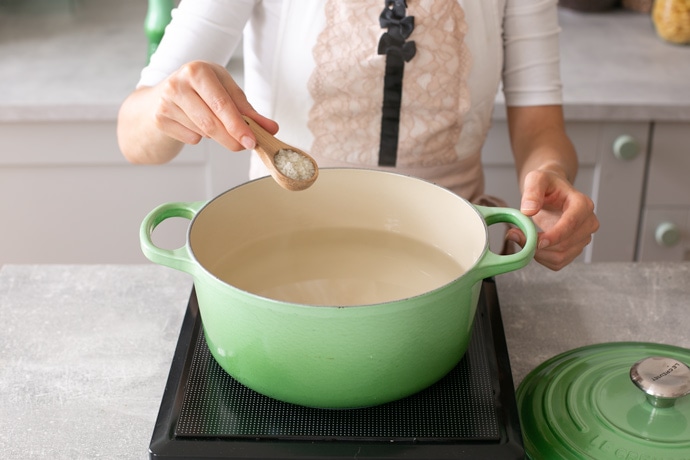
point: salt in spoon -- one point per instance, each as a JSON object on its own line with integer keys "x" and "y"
{"x": 291, "y": 168}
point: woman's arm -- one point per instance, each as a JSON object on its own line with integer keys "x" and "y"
{"x": 539, "y": 141}
{"x": 139, "y": 138}
{"x": 546, "y": 164}
{"x": 185, "y": 93}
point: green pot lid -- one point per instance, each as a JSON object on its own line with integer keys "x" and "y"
{"x": 621, "y": 400}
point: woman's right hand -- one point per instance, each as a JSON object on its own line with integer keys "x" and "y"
{"x": 199, "y": 100}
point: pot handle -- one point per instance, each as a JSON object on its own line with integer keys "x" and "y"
{"x": 180, "y": 258}
{"x": 494, "y": 264}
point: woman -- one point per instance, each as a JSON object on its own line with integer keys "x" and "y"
{"x": 386, "y": 84}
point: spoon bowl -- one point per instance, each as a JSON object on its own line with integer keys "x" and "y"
{"x": 268, "y": 147}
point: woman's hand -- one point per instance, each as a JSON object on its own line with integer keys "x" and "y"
{"x": 564, "y": 215}
{"x": 198, "y": 100}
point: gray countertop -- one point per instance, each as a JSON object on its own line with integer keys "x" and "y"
{"x": 76, "y": 66}
{"x": 614, "y": 67}
{"x": 86, "y": 349}
{"x": 81, "y": 66}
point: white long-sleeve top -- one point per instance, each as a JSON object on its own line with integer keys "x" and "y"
{"x": 314, "y": 67}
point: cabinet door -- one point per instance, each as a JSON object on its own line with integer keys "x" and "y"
{"x": 611, "y": 172}
{"x": 665, "y": 229}
{"x": 68, "y": 196}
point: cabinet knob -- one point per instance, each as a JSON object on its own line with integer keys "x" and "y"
{"x": 667, "y": 234}
{"x": 625, "y": 147}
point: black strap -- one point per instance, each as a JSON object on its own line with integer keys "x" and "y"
{"x": 397, "y": 50}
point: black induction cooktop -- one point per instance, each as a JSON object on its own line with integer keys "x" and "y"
{"x": 469, "y": 414}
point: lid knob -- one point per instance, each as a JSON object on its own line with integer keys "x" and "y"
{"x": 663, "y": 379}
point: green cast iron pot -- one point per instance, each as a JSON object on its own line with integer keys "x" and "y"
{"x": 328, "y": 354}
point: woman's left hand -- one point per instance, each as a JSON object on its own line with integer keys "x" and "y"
{"x": 564, "y": 215}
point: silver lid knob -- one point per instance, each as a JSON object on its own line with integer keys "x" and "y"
{"x": 663, "y": 379}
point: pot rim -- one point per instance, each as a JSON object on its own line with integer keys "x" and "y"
{"x": 253, "y": 295}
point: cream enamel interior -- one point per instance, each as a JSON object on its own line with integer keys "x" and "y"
{"x": 346, "y": 199}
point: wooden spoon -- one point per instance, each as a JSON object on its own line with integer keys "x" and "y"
{"x": 268, "y": 146}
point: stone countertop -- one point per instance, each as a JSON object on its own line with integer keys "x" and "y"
{"x": 86, "y": 349}
{"x": 81, "y": 66}
{"x": 615, "y": 68}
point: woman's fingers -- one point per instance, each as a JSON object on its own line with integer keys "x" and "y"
{"x": 564, "y": 215}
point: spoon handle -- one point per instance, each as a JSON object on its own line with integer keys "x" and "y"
{"x": 267, "y": 146}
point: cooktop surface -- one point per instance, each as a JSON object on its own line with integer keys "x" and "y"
{"x": 470, "y": 413}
